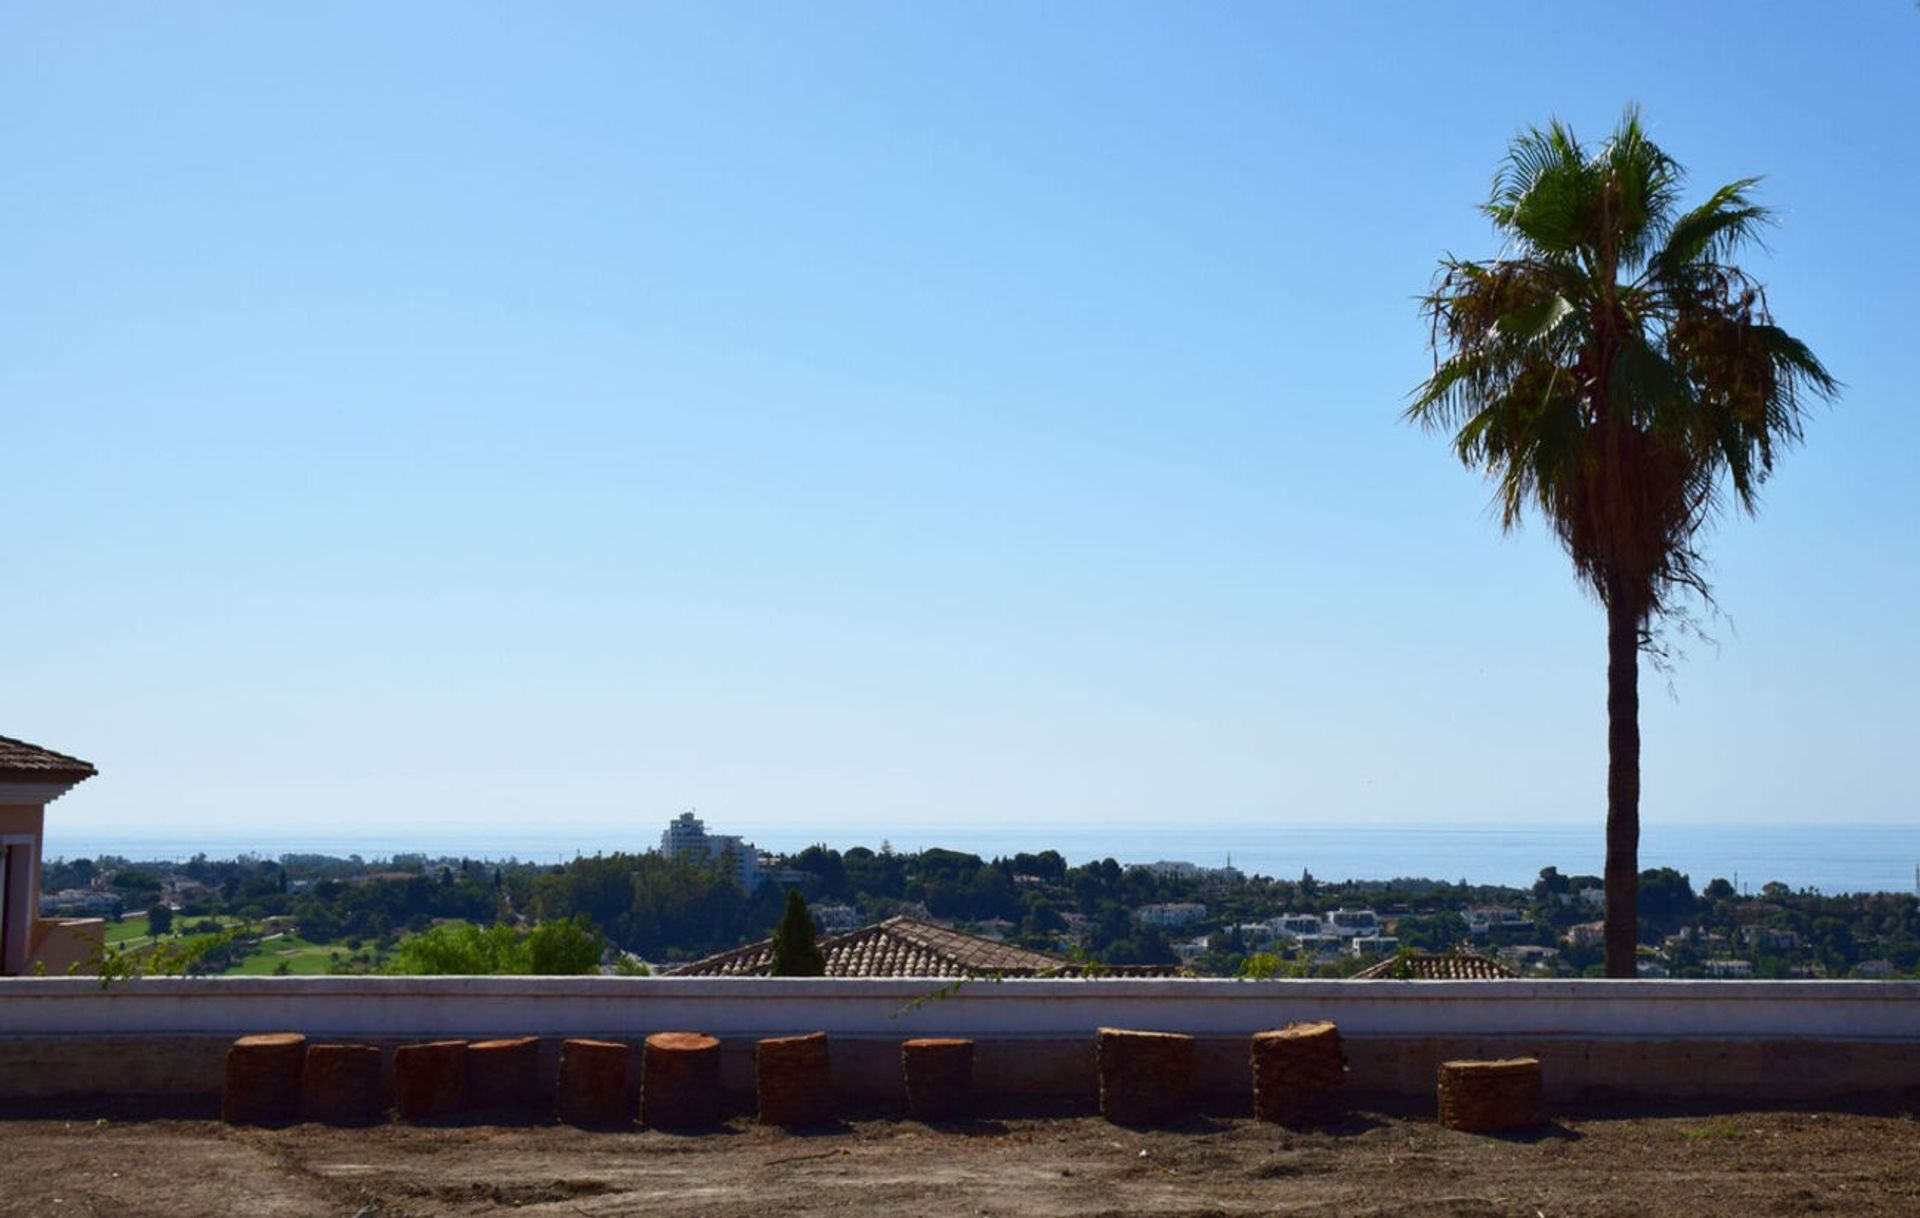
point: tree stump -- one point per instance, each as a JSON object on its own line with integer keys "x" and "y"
{"x": 503, "y": 1075}
{"x": 593, "y": 1083}
{"x": 939, "y": 1076}
{"x": 792, "y": 1079}
{"x": 1298, "y": 1074}
{"x": 1146, "y": 1078}
{"x": 430, "y": 1080}
{"x": 341, "y": 1085}
{"x": 1484, "y": 1097}
{"x": 263, "y": 1079}
{"x": 681, "y": 1086}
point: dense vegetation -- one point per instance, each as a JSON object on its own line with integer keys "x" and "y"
{"x": 412, "y": 914}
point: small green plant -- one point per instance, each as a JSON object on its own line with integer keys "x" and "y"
{"x": 1268, "y": 966}
{"x": 111, "y": 965}
{"x": 1402, "y": 967}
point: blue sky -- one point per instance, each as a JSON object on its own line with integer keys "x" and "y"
{"x": 864, "y": 416}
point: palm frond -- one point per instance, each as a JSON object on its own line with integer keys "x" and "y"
{"x": 1714, "y": 231}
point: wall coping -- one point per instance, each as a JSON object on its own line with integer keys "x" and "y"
{"x": 630, "y": 1007}
{"x": 1213, "y": 989}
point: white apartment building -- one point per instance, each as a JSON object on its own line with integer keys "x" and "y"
{"x": 1256, "y": 934}
{"x": 1483, "y": 919}
{"x": 1293, "y": 926}
{"x": 1373, "y": 945}
{"x": 1347, "y": 923}
{"x": 687, "y": 837}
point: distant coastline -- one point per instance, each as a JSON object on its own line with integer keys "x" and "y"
{"x": 1829, "y": 858}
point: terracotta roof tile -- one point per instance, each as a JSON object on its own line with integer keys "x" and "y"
{"x": 20, "y": 760}
{"x": 898, "y": 947}
{"x": 1453, "y": 966}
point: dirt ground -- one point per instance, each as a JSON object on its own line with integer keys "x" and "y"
{"x": 1694, "y": 1163}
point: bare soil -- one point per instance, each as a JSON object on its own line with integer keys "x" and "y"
{"x": 1691, "y": 1163}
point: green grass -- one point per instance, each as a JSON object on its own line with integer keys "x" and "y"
{"x": 134, "y": 926}
{"x": 302, "y": 958}
{"x": 131, "y": 931}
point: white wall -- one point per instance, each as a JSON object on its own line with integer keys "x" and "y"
{"x": 561, "y": 1006}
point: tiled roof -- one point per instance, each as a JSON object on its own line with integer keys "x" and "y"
{"x": 1453, "y": 966}
{"x": 898, "y": 947}
{"x": 22, "y": 761}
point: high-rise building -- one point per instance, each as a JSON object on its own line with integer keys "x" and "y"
{"x": 687, "y": 837}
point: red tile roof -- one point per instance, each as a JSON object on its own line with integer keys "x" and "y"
{"x": 1453, "y": 966}
{"x": 898, "y": 947}
{"x": 23, "y": 762}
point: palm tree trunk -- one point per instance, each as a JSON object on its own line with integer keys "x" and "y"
{"x": 1623, "y": 784}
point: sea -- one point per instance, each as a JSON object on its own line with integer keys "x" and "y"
{"x": 1824, "y": 858}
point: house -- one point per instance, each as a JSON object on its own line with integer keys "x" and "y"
{"x": 32, "y": 777}
{"x": 1770, "y": 939}
{"x": 1170, "y": 869}
{"x": 1256, "y": 934}
{"x": 1527, "y": 955}
{"x": 1293, "y": 926}
{"x": 79, "y": 903}
{"x": 1320, "y": 947}
{"x": 1483, "y": 920}
{"x": 1587, "y": 934}
{"x": 903, "y": 947}
{"x": 1735, "y": 969}
{"x": 1373, "y": 945}
{"x": 1347, "y": 923}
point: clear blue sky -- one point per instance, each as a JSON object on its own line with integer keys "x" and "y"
{"x": 864, "y": 416}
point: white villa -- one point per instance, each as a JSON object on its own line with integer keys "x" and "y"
{"x": 1482, "y": 920}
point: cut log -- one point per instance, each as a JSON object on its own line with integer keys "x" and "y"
{"x": 503, "y": 1076}
{"x": 793, "y": 1082}
{"x": 1489, "y": 1096}
{"x": 939, "y": 1078}
{"x": 1299, "y": 1074}
{"x": 340, "y": 1085}
{"x": 1146, "y": 1078}
{"x": 593, "y": 1083}
{"x": 263, "y": 1079}
{"x": 680, "y": 1086}
{"x": 430, "y": 1080}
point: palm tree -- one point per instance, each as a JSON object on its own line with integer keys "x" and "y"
{"x": 1614, "y": 370}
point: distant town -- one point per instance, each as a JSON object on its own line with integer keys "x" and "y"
{"x": 700, "y": 892}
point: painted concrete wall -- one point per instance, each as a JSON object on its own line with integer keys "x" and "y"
{"x": 59, "y": 945}
{"x": 1748, "y": 1041}
{"x": 21, "y": 826}
{"x": 745, "y": 1006}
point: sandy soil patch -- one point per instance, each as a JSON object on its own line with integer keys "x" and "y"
{"x": 1676, "y": 1164}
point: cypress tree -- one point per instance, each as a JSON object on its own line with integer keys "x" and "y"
{"x": 795, "y": 954}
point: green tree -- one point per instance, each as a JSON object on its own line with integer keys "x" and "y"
{"x": 570, "y": 946}
{"x": 159, "y": 920}
{"x": 795, "y": 954}
{"x": 1615, "y": 371}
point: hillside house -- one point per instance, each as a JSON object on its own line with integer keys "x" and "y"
{"x": 31, "y": 778}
